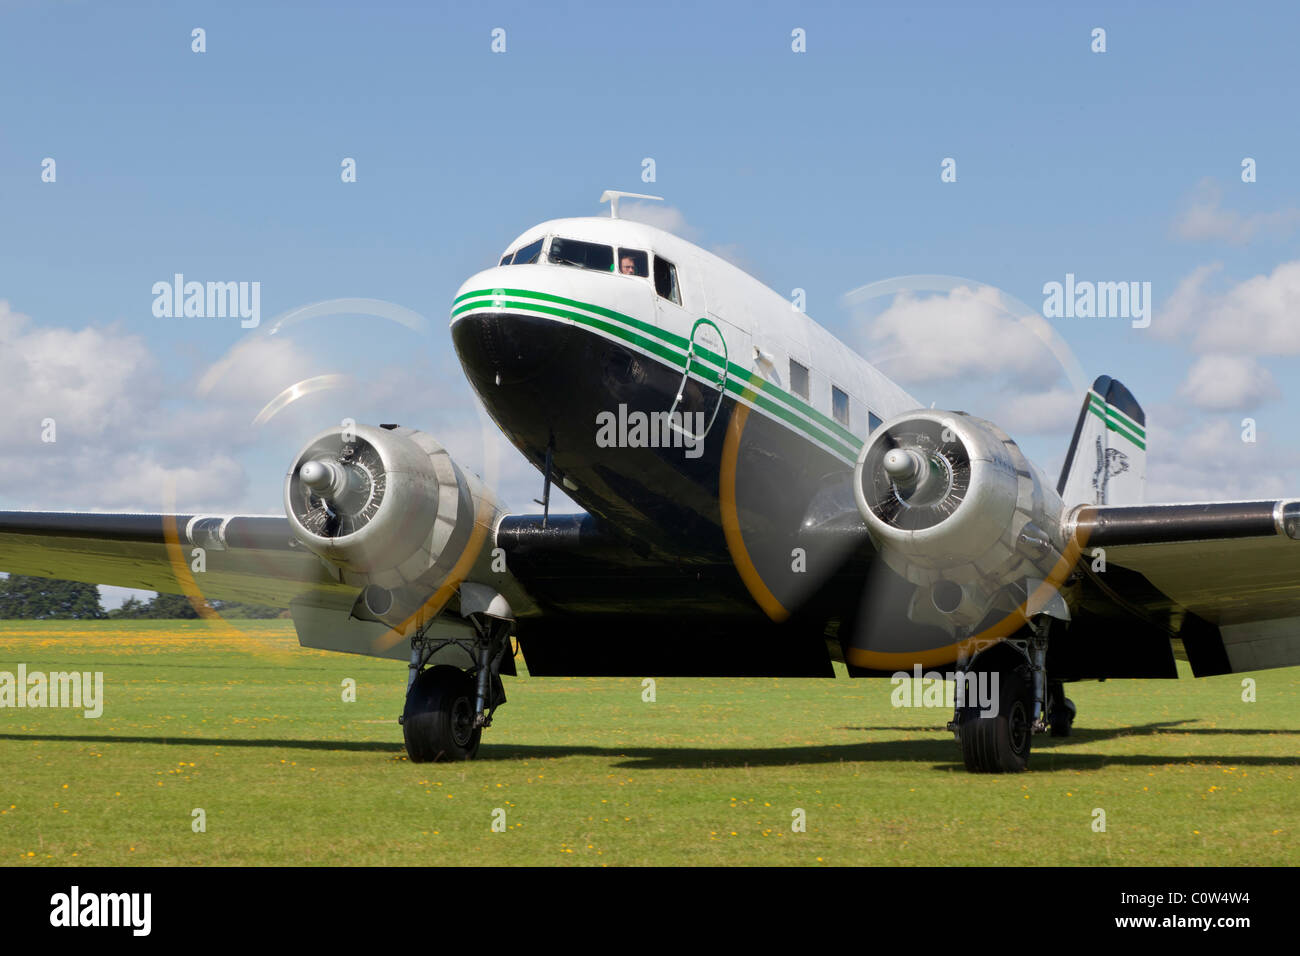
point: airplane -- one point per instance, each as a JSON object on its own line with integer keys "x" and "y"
{"x": 759, "y": 500}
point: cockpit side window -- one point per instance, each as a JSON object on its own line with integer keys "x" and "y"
{"x": 505, "y": 260}
{"x": 633, "y": 262}
{"x": 528, "y": 254}
{"x": 584, "y": 255}
{"x": 666, "y": 280}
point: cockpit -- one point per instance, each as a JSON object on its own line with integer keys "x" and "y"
{"x": 598, "y": 257}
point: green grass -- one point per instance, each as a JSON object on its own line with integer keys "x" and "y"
{"x": 254, "y": 730}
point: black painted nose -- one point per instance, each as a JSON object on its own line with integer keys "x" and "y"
{"x": 501, "y": 348}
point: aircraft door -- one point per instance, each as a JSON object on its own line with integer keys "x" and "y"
{"x": 699, "y": 394}
{"x": 682, "y": 305}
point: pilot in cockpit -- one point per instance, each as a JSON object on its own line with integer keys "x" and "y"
{"x": 627, "y": 266}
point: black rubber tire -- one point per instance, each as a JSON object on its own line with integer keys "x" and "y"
{"x": 437, "y": 723}
{"x": 1062, "y": 717}
{"x": 1001, "y": 743}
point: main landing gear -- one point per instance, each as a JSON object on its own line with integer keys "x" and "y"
{"x": 439, "y": 720}
{"x": 448, "y": 707}
{"x": 1004, "y": 698}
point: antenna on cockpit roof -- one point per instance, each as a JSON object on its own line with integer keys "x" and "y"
{"x": 612, "y": 196}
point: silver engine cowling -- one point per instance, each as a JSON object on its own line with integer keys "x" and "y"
{"x": 953, "y": 506}
{"x": 390, "y": 509}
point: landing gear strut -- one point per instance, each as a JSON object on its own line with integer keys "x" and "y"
{"x": 447, "y": 707}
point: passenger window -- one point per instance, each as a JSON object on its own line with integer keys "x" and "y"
{"x": 840, "y": 406}
{"x": 873, "y": 421}
{"x": 799, "y": 379}
{"x": 584, "y": 255}
{"x": 633, "y": 262}
{"x": 666, "y": 280}
{"x": 528, "y": 254}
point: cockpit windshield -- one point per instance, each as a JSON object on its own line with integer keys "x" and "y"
{"x": 584, "y": 255}
{"x": 598, "y": 258}
{"x": 524, "y": 256}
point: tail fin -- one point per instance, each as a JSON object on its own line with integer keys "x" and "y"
{"x": 1107, "y": 460}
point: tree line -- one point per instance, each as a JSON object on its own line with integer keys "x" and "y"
{"x": 42, "y": 599}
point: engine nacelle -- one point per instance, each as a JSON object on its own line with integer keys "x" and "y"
{"x": 389, "y": 508}
{"x": 954, "y": 507}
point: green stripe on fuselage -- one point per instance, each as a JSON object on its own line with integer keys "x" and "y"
{"x": 824, "y": 429}
{"x": 672, "y": 338}
{"x": 743, "y": 389}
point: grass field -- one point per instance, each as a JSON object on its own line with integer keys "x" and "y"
{"x": 254, "y": 731}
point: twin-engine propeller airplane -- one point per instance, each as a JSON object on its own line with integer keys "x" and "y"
{"x": 759, "y": 500}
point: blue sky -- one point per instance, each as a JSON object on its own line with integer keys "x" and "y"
{"x": 817, "y": 170}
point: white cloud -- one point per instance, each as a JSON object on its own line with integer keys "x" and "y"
{"x": 127, "y": 442}
{"x": 256, "y": 369}
{"x": 668, "y": 218}
{"x": 1257, "y": 316}
{"x": 111, "y": 476}
{"x": 1208, "y": 461}
{"x": 1204, "y": 217}
{"x": 117, "y": 440}
{"x": 1053, "y": 411}
{"x": 962, "y": 334}
{"x": 1184, "y": 308}
{"x": 1229, "y": 327}
{"x": 999, "y": 368}
{"x": 1228, "y": 383}
{"x": 140, "y": 480}
{"x": 88, "y": 380}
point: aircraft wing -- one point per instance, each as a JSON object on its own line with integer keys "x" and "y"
{"x": 579, "y": 583}
{"x": 1223, "y": 576}
{"x": 252, "y": 558}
